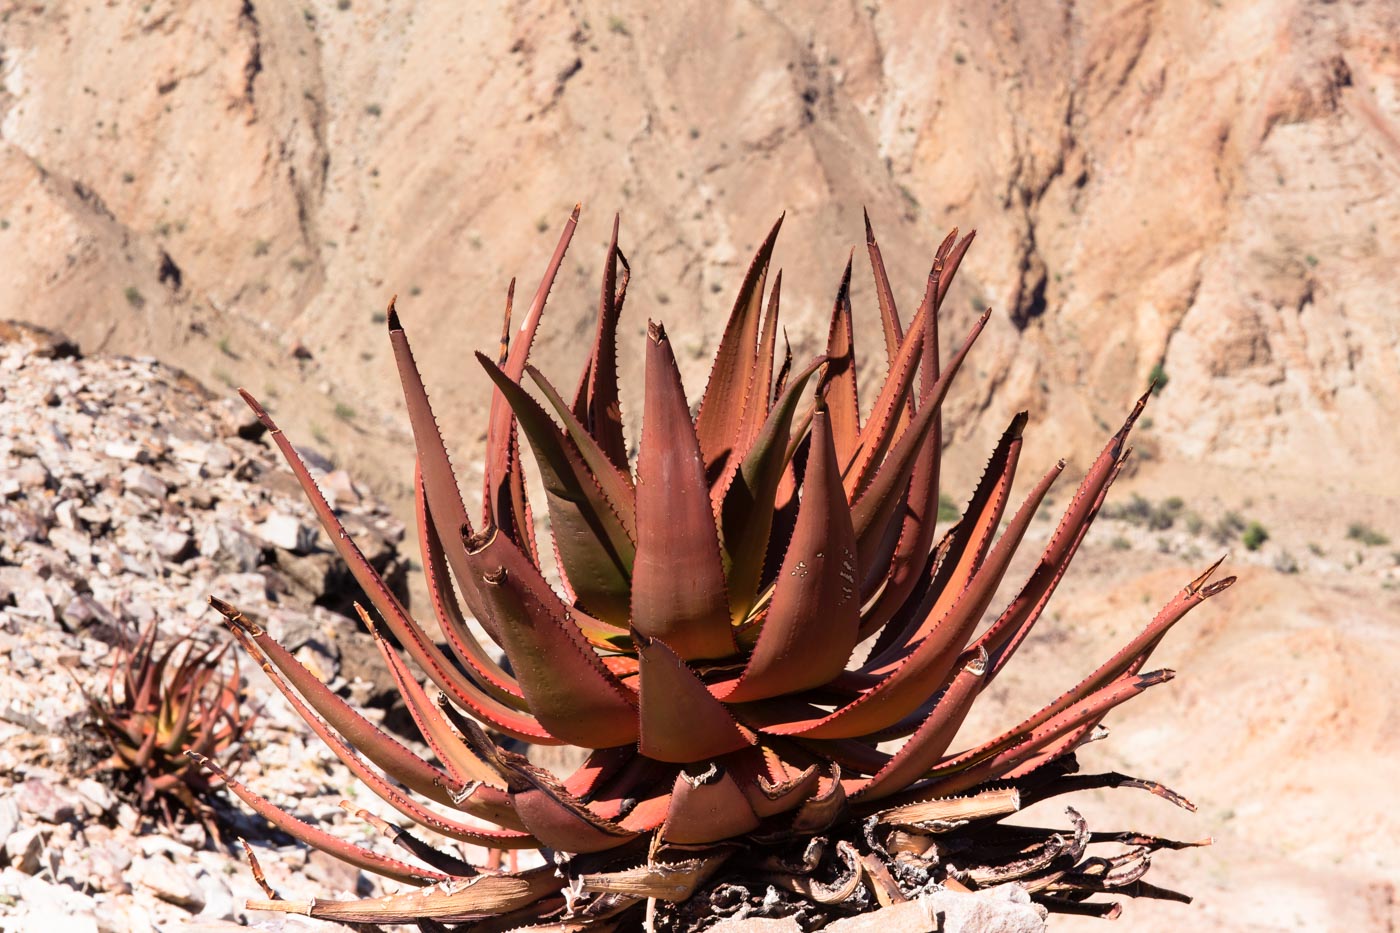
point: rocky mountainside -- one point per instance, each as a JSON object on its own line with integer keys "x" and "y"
{"x": 1205, "y": 191}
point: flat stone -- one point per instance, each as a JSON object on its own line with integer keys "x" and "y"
{"x": 126, "y": 450}
{"x": 229, "y": 548}
{"x": 9, "y": 818}
{"x": 66, "y": 514}
{"x": 44, "y": 801}
{"x": 218, "y": 461}
{"x": 287, "y": 532}
{"x": 97, "y": 794}
{"x": 75, "y": 544}
{"x": 168, "y": 881}
{"x": 172, "y": 546}
{"x": 24, "y": 848}
{"x": 83, "y": 611}
{"x": 31, "y": 474}
{"x": 143, "y": 482}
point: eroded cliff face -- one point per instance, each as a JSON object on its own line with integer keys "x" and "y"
{"x": 1203, "y": 190}
{"x": 1208, "y": 188}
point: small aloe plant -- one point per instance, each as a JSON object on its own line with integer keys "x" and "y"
{"x": 757, "y": 634}
{"x": 155, "y": 708}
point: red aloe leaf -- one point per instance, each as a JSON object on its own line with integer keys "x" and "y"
{"x": 459, "y": 761}
{"x": 927, "y": 745}
{"x": 675, "y": 527}
{"x": 558, "y": 818}
{"x": 842, "y": 394}
{"x": 439, "y": 479}
{"x": 616, "y": 483}
{"x": 872, "y": 511}
{"x": 1024, "y": 742}
{"x": 707, "y": 806}
{"x": 442, "y": 861}
{"x": 1007, "y": 633}
{"x": 501, "y": 421}
{"x": 717, "y": 425}
{"x": 748, "y": 495}
{"x": 811, "y": 625}
{"x": 759, "y": 397}
{"x": 386, "y": 752}
{"x": 967, "y": 548}
{"x": 566, "y": 828}
{"x": 596, "y": 403}
{"x": 1131, "y": 657}
{"x": 891, "y": 403}
{"x": 916, "y": 676}
{"x": 485, "y": 802}
{"x": 319, "y": 838}
{"x": 507, "y": 719}
{"x": 593, "y": 546}
{"x": 903, "y": 570}
{"x": 889, "y": 314}
{"x": 520, "y": 526}
{"x": 480, "y": 665}
{"x": 952, "y": 258}
{"x": 681, "y": 721}
{"x": 771, "y": 787}
{"x": 571, "y": 693}
{"x": 824, "y": 807}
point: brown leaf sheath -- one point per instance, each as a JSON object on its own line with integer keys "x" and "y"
{"x": 707, "y": 806}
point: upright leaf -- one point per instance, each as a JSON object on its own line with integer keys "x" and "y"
{"x": 675, "y": 527}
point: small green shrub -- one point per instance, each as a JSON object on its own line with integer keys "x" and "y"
{"x": 1359, "y": 531}
{"x": 1254, "y": 536}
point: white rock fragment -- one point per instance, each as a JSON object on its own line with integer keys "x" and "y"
{"x": 287, "y": 532}
{"x": 143, "y": 482}
{"x": 168, "y": 881}
{"x": 126, "y": 450}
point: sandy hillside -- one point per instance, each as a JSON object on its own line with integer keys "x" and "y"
{"x": 1201, "y": 191}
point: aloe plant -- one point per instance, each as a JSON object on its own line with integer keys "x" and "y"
{"x": 155, "y": 707}
{"x": 755, "y": 631}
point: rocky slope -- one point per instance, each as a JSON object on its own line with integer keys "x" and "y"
{"x": 129, "y": 495}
